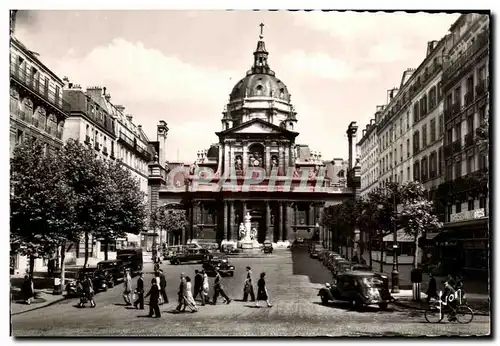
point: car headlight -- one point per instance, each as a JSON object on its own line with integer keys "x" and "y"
{"x": 231, "y": 267}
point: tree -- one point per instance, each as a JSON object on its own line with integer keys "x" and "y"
{"x": 42, "y": 206}
{"x": 417, "y": 213}
{"x": 87, "y": 176}
{"x": 169, "y": 219}
{"x": 126, "y": 206}
{"x": 341, "y": 220}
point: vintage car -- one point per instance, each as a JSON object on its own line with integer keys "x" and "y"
{"x": 361, "y": 267}
{"x": 115, "y": 268}
{"x": 359, "y": 288}
{"x": 133, "y": 257}
{"x": 191, "y": 255}
{"x": 172, "y": 251}
{"x": 225, "y": 268}
{"x": 331, "y": 259}
{"x": 341, "y": 266}
{"x": 314, "y": 251}
{"x": 322, "y": 254}
{"x": 101, "y": 279}
{"x": 228, "y": 248}
{"x": 267, "y": 246}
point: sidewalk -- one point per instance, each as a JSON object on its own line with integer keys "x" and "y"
{"x": 44, "y": 299}
{"x": 480, "y": 303}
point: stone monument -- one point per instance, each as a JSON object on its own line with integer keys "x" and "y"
{"x": 247, "y": 240}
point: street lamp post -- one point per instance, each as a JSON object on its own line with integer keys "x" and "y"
{"x": 395, "y": 273}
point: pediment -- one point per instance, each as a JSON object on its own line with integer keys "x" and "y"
{"x": 258, "y": 128}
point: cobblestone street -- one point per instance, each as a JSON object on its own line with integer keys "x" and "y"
{"x": 296, "y": 310}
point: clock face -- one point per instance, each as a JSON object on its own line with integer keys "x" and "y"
{"x": 256, "y": 163}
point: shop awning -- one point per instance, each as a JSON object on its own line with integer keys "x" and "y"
{"x": 402, "y": 237}
{"x": 431, "y": 235}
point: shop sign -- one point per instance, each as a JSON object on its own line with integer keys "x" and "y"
{"x": 467, "y": 215}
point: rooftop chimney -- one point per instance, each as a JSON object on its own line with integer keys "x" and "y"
{"x": 107, "y": 97}
{"x": 129, "y": 117}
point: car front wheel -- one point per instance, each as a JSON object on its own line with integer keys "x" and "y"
{"x": 383, "y": 306}
{"x": 324, "y": 300}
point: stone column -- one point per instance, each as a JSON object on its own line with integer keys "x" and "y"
{"x": 311, "y": 220}
{"x": 281, "y": 159}
{"x": 289, "y": 220}
{"x": 226, "y": 158}
{"x": 226, "y": 211}
{"x": 219, "y": 164}
{"x": 269, "y": 235}
{"x": 280, "y": 221}
{"x": 243, "y": 210}
{"x": 268, "y": 158}
{"x": 286, "y": 151}
{"x": 231, "y": 222}
{"x": 245, "y": 157}
{"x": 321, "y": 228}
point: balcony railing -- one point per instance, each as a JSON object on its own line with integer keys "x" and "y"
{"x": 455, "y": 108}
{"x": 469, "y": 97}
{"x": 469, "y": 139}
{"x": 132, "y": 144}
{"x": 37, "y": 86}
{"x": 457, "y": 146}
{"x": 480, "y": 42}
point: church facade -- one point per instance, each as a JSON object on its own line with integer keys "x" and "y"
{"x": 255, "y": 167}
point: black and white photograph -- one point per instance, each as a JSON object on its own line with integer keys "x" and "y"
{"x": 249, "y": 173}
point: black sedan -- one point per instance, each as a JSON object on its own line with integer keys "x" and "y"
{"x": 225, "y": 268}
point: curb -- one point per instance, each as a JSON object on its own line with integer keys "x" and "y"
{"x": 409, "y": 306}
{"x": 41, "y": 306}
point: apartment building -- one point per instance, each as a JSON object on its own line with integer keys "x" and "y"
{"x": 103, "y": 126}
{"x": 37, "y": 112}
{"x": 368, "y": 155}
{"x": 465, "y": 86}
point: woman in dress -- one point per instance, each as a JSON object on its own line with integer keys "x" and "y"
{"x": 262, "y": 291}
{"x": 205, "y": 287}
{"x": 188, "y": 296}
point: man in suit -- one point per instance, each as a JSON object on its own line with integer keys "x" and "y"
{"x": 219, "y": 288}
{"x": 163, "y": 287}
{"x": 180, "y": 294}
{"x": 154, "y": 293}
{"x": 198, "y": 286}
{"x": 248, "y": 288}
{"x": 140, "y": 292}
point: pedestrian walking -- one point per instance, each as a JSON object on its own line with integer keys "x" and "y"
{"x": 262, "y": 291}
{"x": 163, "y": 287}
{"x": 88, "y": 291}
{"x": 139, "y": 303}
{"x": 28, "y": 289}
{"x": 157, "y": 278}
{"x": 188, "y": 296}
{"x": 431, "y": 288}
{"x": 198, "y": 286}
{"x": 205, "y": 288}
{"x": 127, "y": 283}
{"x": 180, "y": 294}
{"x": 219, "y": 288}
{"x": 154, "y": 294}
{"x": 248, "y": 286}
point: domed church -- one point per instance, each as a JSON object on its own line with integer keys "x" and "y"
{"x": 255, "y": 167}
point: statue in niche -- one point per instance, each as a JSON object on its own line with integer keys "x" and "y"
{"x": 238, "y": 164}
{"x": 192, "y": 168}
{"x": 296, "y": 173}
{"x": 256, "y": 159}
{"x": 274, "y": 162}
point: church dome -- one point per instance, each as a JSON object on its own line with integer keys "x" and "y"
{"x": 260, "y": 80}
{"x": 260, "y": 84}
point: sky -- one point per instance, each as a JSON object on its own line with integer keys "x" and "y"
{"x": 180, "y": 66}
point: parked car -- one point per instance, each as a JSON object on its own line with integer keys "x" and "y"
{"x": 361, "y": 267}
{"x": 341, "y": 266}
{"x": 100, "y": 278}
{"x": 332, "y": 259}
{"x": 315, "y": 250}
{"x": 115, "y": 268}
{"x": 172, "y": 251}
{"x": 267, "y": 247}
{"x": 359, "y": 288}
{"x": 133, "y": 257}
{"x": 191, "y": 255}
{"x": 225, "y": 268}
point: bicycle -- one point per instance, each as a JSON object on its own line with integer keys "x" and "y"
{"x": 462, "y": 313}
